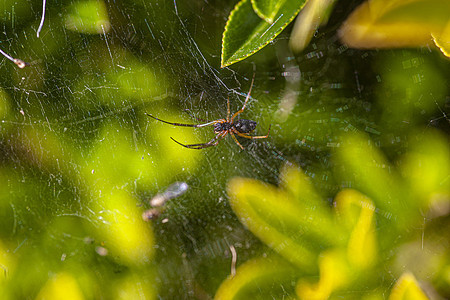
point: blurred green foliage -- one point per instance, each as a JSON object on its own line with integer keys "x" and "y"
{"x": 357, "y": 244}
{"x": 79, "y": 159}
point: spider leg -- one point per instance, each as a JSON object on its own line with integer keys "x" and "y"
{"x": 211, "y": 143}
{"x": 244, "y": 135}
{"x": 186, "y": 125}
{"x": 245, "y": 102}
{"x": 235, "y": 139}
{"x": 228, "y": 109}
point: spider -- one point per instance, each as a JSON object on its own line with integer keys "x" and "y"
{"x": 222, "y": 127}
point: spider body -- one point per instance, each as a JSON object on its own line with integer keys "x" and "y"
{"x": 244, "y": 126}
{"x": 222, "y": 127}
{"x": 241, "y": 125}
{"x": 219, "y": 127}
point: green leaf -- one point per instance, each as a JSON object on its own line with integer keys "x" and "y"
{"x": 399, "y": 23}
{"x": 407, "y": 287}
{"x": 354, "y": 207}
{"x": 292, "y": 226}
{"x": 335, "y": 273}
{"x": 267, "y": 9}
{"x": 259, "y": 208}
{"x": 442, "y": 41}
{"x": 61, "y": 286}
{"x": 246, "y": 33}
{"x": 256, "y": 277}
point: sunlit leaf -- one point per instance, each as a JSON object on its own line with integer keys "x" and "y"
{"x": 115, "y": 163}
{"x": 314, "y": 14}
{"x": 287, "y": 224}
{"x": 400, "y": 23}
{"x": 271, "y": 217}
{"x": 88, "y": 16}
{"x": 358, "y": 209}
{"x": 338, "y": 268}
{"x": 294, "y": 181}
{"x": 246, "y": 33}
{"x": 407, "y": 288}
{"x": 270, "y": 212}
{"x": 124, "y": 234}
{"x": 61, "y": 286}
{"x": 135, "y": 286}
{"x": 8, "y": 260}
{"x": 256, "y": 277}
{"x": 442, "y": 40}
{"x": 335, "y": 273}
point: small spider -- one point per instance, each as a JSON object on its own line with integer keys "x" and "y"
{"x": 222, "y": 127}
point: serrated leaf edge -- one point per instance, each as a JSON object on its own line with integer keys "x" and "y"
{"x": 238, "y": 5}
{"x": 222, "y": 64}
{"x": 268, "y": 19}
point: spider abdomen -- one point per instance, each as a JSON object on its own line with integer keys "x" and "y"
{"x": 244, "y": 126}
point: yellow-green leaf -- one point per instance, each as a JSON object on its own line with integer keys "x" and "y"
{"x": 270, "y": 216}
{"x": 61, "y": 286}
{"x": 407, "y": 288}
{"x": 255, "y": 277}
{"x": 335, "y": 273}
{"x": 314, "y": 14}
{"x": 294, "y": 226}
{"x": 399, "y": 23}
{"x": 442, "y": 40}
{"x": 362, "y": 245}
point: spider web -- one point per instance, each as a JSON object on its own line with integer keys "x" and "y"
{"x": 162, "y": 57}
